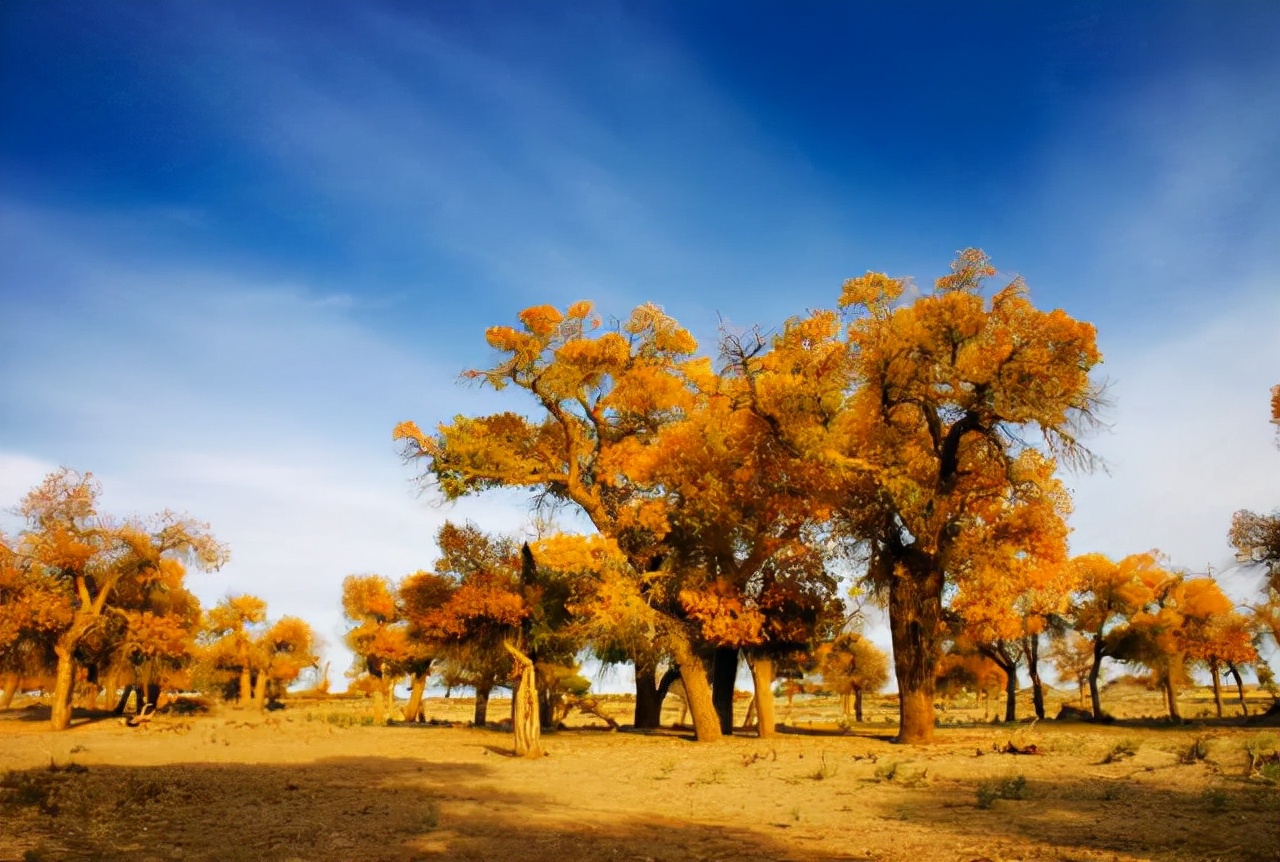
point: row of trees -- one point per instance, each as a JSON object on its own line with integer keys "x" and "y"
{"x": 100, "y": 602}
{"x": 912, "y": 440}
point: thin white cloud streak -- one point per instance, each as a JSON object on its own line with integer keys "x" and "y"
{"x": 1190, "y": 441}
{"x": 262, "y": 410}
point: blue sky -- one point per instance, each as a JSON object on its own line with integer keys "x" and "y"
{"x": 240, "y": 241}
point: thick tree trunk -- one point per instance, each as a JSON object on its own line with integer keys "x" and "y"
{"x": 697, "y": 691}
{"x": 857, "y": 704}
{"x": 64, "y": 680}
{"x": 915, "y": 622}
{"x": 1031, "y": 644}
{"x": 481, "y": 715}
{"x": 260, "y": 692}
{"x": 1235, "y": 674}
{"x": 648, "y": 712}
{"x": 524, "y": 698}
{"x": 546, "y": 709}
{"x": 244, "y": 694}
{"x": 1217, "y": 687}
{"x": 724, "y": 673}
{"x": 153, "y": 694}
{"x": 123, "y": 703}
{"x": 413, "y": 709}
{"x": 12, "y": 682}
{"x": 762, "y": 677}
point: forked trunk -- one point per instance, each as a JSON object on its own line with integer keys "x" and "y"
{"x": 724, "y": 673}
{"x": 64, "y": 679}
{"x": 1217, "y": 687}
{"x": 1094, "y": 670}
{"x": 1235, "y": 674}
{"x": 481, "y": 715}
{"x": 762, "y": 677}
{"x": 697, "y": 691}
{"x": 915, "y": 621}
{"x": 1031, "y": 644}
{"x": 648, "y": 712}
{"x": 413, "y": 709}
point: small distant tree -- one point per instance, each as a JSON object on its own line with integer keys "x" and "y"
{"x": 378, "y": 636}
{"x": 852, "y": 666}
{"x": 1071, "y": 655}
{"x": 1109, "y": 595}
{"x": 231, "y": 631}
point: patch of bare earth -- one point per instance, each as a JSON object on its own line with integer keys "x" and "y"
{"x": 311, "y": 783}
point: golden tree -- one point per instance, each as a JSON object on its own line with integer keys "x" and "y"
{"x": 1109, "y": 595}
{"x": 852, "y": 666}
{"x": 379, "y": 636}
{"x": 231, "y": 631}
{"x": 599, "y": 399}
{"x": 933, "y": 419}
{"x": 93, "y": 560}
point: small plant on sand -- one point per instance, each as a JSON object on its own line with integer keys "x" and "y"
{"x": 1010, "y": 787}
{"x": 1264, "y": 757}
{"x": 825, "y": 770}
{"x": 1215, "y": 799}
{"x": 664, "y": 770}
{"x": 1198, "y": 750}
{"x": 888, "y": 771}
{"x": 897, "y": 773}
{"x": 1123, "y": 749}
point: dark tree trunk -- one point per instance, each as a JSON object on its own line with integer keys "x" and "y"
{"x": 1094, "y": 696}
{"x": 153, "y": 694}
{"x": 1235, "y": 674}
{"x": 1031, "y": 645}
{"x": 123, "y": 703}
{"x": 482, "y": 706}
{"x": 648, "y": 712}
{"x": 546, "y": 709}
{"x": 724, "y": 673}
{"x": 915, "y": 621}
{"x": 1217, "y": 687}
{"x": 1011, "y": 693}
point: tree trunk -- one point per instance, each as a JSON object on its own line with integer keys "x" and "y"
{"x": 762, "y": 676}
{"x": 1171, "y": 696}
{"x": 413, "y": 709}
{"x": 123, "y": 703}
{"x": 546, "y": 709}
{"x": 915, "y": 621}
{"x": 260, "y": 692}
{"x": 1094, "y": 696}
{"x": 857, "y": 704}
{"x": 1011, "y": 692}
{"x": 724, "y": 673}
{"x": 1217, "y": 687}
{"x": 12, "y": 682}
{"x": 379, "y": 702}
{"x": 1235, "y": 673}
{"x": 1031, "y": 644}
{"x": 524, "y": 721}
{"x": 697, "y": 691}
{"x": 64, "y": 680}
{"x": 481, "y": 716}
{"x": 648, "y": 712}
{"x": 244, "y": 694}
{"x": 153, "y": 694}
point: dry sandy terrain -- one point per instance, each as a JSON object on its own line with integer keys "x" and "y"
{"x": 311, "y": 783}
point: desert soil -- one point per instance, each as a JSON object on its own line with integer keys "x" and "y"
{"x": 311, "y": 782}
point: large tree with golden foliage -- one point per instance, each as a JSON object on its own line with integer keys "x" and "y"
{"x": 937, "y": 420}
{"x": 95, "y": 562}
{"x": 599, "y": 399}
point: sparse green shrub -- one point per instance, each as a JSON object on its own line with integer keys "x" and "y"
{"x": 1010, "y": 787}
{"x": 825, "y": 770}
{"x": 1198, "y": 750}
{"x": 1121, "y": 750}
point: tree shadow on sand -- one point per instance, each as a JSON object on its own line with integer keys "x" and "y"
{"x": 366, "y": 808}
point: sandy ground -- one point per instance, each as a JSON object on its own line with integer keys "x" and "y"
{"x": 311, "y": 783}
